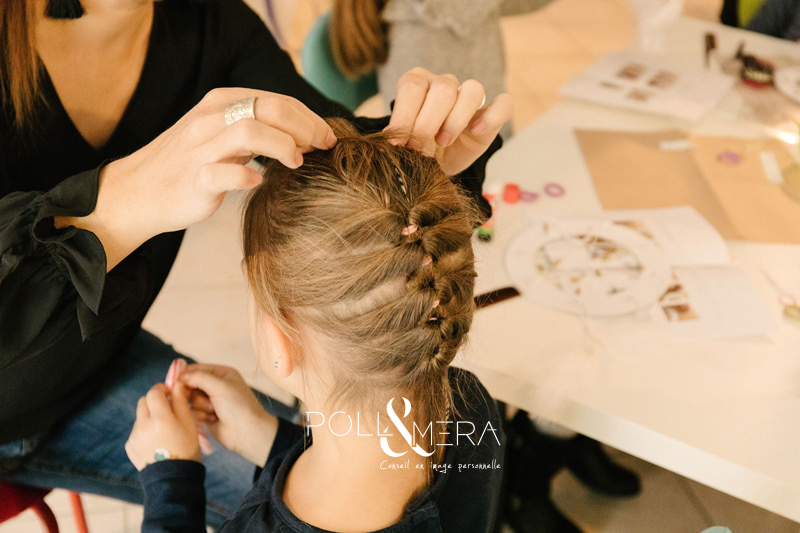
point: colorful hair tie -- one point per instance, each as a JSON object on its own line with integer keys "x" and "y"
{"x": 408, "y": 230}
{"x": 427, "y": 261}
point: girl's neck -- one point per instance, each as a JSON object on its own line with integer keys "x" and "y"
{"x": 348, "y": 483}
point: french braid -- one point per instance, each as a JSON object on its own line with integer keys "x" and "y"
{"x": 367, "y": 247}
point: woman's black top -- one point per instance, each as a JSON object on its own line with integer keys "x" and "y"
{"x": 62, "y": 318}
{"x": 462, "y": 498}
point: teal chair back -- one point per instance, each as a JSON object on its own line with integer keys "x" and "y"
{"x": 321, "y": 70}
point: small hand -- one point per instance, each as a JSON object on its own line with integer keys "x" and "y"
{"x": 161, "y": 426}
{"x": 225, "y": 403}
{"x": 435, "y": 115}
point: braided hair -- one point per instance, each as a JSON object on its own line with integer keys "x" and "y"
{"x": 367, "y": 248}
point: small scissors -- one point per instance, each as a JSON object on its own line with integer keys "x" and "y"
{"x": 791, "y": 308}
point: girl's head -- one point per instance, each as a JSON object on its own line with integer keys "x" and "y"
{"x": 361, "y": 272}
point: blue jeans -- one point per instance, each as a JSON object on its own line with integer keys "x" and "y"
{"x": 86, "y": 451}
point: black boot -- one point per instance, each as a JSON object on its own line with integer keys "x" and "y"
{"x": 590, "y": 464}
{"x": 584, "y": 457}
{"x": 530, "y": 468}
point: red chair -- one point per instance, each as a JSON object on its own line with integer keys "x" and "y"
{"x": 17, "y": 498}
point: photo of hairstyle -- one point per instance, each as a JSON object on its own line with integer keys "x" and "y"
{"x": 366, "y": 248}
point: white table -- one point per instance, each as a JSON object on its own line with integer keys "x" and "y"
{"x": 725, "y": 413}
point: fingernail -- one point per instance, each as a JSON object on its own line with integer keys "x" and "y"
{"x": 298, "y": 157}
{"x": 479, "y": 128}
{"x": 445, "y": 139}
{"x": 330, "y": 141}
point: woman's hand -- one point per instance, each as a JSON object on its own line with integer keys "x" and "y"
{"x": 161, "y": 426}
{"x": 445, "y": 120}
{"x": 226, "y": 404}
{"x": 181, "y": 177}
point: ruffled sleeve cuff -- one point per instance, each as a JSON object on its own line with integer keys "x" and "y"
{"x": 106, "y": 301}
{"x": 79, "y": 252}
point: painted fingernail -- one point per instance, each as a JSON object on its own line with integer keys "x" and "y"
{"x": 445, "y": 139}
{"x": 479, "y": 127}
{"x": 330, "y": 141}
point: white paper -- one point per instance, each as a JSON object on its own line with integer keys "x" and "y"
{"x": 647, "y": 83}
{"x": 588, "y": 267}
{"x": 712, "y": 303}
{"x": 654, "y": 18}
{"x": 771, "y": 167}
{"x": 682, "y": 233}
{"x": 685, "y": 237}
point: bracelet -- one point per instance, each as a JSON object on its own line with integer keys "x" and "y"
{"x": 162, "y": 454}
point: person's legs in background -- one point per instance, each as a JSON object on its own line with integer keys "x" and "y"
{"x": 86, "y": 452}
{"x": 537, "y": 450}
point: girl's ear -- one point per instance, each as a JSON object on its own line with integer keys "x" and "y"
{"x": 284, "y": 350}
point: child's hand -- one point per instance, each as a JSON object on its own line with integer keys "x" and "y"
{"x": 160, "y": 426}
{"x": 225, "y": 403}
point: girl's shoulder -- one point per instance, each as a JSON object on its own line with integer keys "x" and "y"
{"x": 471, "y": 400}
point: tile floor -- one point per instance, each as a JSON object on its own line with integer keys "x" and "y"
{"x": 202, "y": 308}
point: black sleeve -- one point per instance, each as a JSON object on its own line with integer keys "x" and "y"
{"x": 174, "y": 497}
{"x": 260, "y": 63}
{"x": 47, "y": 273}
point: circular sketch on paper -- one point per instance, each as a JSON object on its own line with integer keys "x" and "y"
{"x": 595, "y": 268}
{"x": 787, "y": 81}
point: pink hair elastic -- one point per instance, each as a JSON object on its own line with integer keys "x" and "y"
{"x": 408, "y": 230}
{"x": 434, "y": 306}
{"x": 175, "y": 370}
{"x": 427, "y": 261}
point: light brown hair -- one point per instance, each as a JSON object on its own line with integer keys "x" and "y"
{"x": 326, "y": 253}
{"x": 19, "y": 66}
{"x": 358, "y": 36}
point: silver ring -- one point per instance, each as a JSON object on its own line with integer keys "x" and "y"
{"x": 483, "y": 102}
{"x": 239, "y": 109}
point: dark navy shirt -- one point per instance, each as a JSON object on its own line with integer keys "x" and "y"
{"x": 462, "y": 499}
{"x": 779, "y": 18}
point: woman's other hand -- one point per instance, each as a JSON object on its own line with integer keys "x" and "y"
{"x": 225, "y": 403}
{"x": 181, "y": 177}
{"x": 441, "y": 118}
{"x": 161, "y": 426}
